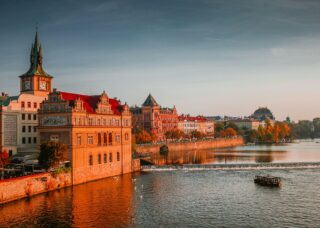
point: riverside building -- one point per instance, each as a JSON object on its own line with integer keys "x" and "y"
{"x": 18, "y": 114}
{"x": 96, "y": 129}
{"x": 188, "y": 124}
{"x": 154, "y": 118}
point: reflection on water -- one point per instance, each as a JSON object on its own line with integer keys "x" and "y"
{"x": 301, "y": 151}
{"x": 108, "y": 201}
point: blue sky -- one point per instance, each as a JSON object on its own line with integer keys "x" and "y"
{"x": 207, "y": 57}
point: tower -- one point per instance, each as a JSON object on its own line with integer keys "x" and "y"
{"x": 36, "y": 81}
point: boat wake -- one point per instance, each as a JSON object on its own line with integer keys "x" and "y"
{"x": 248, "y": 166}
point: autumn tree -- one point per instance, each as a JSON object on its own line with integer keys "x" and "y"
{"x": 230, "y": 132}
{"x": 143, "y": 137}
{"x": 52, "y": 153}
{"x": 4, "y": 160}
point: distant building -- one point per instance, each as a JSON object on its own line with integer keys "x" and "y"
{"x": 18, "y": 114}
{"x": 188, "y": 124}
{"x": 154, "y": 118}
{"x": 262, "y": 114}
{"x": 96, "y": 129}
{"x": 249, "y": 124}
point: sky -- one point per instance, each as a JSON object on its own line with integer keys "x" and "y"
{"x": 207, "y": 57}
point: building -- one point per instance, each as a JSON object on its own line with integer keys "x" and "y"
{"x": 188, "y": 124}
{"x": 262, "y": 114}
{"x": 96, "y": 129}
{"x": 154, "y": 118}
{"x": 18, "y": 114}
{"x": 249, "y": 124}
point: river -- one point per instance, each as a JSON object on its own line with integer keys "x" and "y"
{"x": 209, "y": 198}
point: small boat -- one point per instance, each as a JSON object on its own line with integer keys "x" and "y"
{"x": 268, "y": 180}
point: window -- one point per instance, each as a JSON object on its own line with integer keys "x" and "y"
{"x": 105, "y": 158}
{"x": 99, "y": 139}
{"x": 29, "y": 140}
{"x": 29, "y": 104}
{"x": 118, "y": 156}
{"x": 22, "y": 104}
{"x": 54, "y": 138}
{"x": 34, "y": 129}
{"x": 117, "y": 138}
{"x": 35, "y": 105}
{"x": 99, "y": 158}
{"x": 110, "y": 138}
{"x": 23, "y": 140}
{"x": 90, "y": 160}
{"x": 23, "y": 116}
{"x": 34, "y": 140}
{"x": 90, "y": 139}
{"x": 34, "y": 116}
{"x": 126, "y": 136}
{"x": 23, "y": 128}
{"x": 29, "y": 128}
{"x": 105, "y": 138}
{"x": 110, "y": 157}
{"x": 29, "y": 116}
{"x": 78, "y": 140}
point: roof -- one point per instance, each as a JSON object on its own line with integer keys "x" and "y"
{"x": 36, "y": 60}
{"x": 150, "y": 101}
{"x": 6, "y": 101}
{"x": 91, "y": 101}
{"x": 192, "y": 118}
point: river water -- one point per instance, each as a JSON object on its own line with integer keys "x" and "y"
{"x": 211, "y": 198}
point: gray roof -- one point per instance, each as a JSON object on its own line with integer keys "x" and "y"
{"x": 150, "y": 101}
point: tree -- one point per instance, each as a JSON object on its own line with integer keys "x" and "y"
{"x": 4, "y": 160}
{"x": 143, "y": 137}
{"x": 174, "y": 134}
{"x": 51, "y": 154}
{"x": 230, "y": 132}
{"x": 197, "y": 134}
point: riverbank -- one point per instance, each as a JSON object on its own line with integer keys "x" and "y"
{"x": 191, "y": 145}
{"x": 26, "y": 186}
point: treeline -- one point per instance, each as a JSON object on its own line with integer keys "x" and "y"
{"x": 305, "y": 129}
{"x": 266, "y": 133}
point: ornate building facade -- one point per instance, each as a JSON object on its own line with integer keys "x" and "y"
{"x": 18, "y": 114}
{"x": 96, "y": 129}
{"x": 155, "y": 119}
{"x": 188, "y": 124}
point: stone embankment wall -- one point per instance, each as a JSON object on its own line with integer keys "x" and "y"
{"x": 21, "y": 187}
{"x": 193, "y": 145}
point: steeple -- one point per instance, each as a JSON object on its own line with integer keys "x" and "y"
{"x": 36, "y": 59}
{"x": 150, "y": 101}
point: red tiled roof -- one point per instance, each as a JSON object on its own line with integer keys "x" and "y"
{"x": 90, "y": 102}
{"x": 192, "y": 118}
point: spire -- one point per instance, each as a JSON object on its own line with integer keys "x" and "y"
{"x": 150, "y": 101}
{"x": 36, "y": 59}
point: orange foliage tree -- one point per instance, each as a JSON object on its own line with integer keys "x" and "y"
{"x": 230, "y": 132}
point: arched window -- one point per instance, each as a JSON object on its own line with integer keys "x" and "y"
{"x": 110, "y": 138}
{"x": 99, "y": 139}
{"x": 110, "y": 157}
{"x": 105, "y": 139}
{"x": 99, "y": 158}
{"x": 105, "y": 158}
{"x": 90, "y": 160}
{"x": 118, "y": 156}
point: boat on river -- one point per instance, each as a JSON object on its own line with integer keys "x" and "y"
{"x": 268, "y": 180}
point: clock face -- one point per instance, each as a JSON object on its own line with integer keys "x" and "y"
{"x": 43, "y": 85}
{"x": 27, "y": 85}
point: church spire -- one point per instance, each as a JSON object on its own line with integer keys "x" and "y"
{"x": 36, "y": 59}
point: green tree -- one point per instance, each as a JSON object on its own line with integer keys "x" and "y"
{"x": 52, "y": 153}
